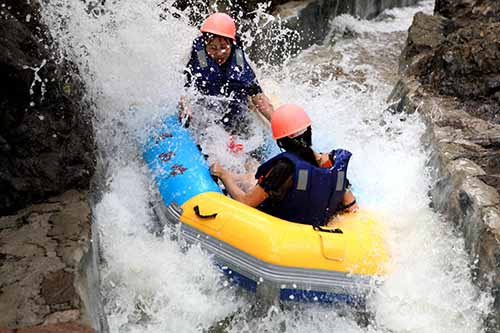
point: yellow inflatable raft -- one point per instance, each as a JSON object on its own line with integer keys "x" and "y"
{"x": 290, "y": 261}
{"x": 275, "y": 258}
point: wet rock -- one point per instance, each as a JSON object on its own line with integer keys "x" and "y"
{"x": 58, "y": 291}
{"x": 467, "y": 64}
{"x": 492, "y": 180}
{"x": 42, "y": 249}
{"x": 469, "y": 10}
{"x": 450, "y": 70}
{"x": 425, "y": 34}
{"x": 46, "y": 134}
{"x": 456, "y": 52}
{"x": 53, "y": 328}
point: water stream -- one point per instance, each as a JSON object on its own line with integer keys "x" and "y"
{"x": 131, "y": 55}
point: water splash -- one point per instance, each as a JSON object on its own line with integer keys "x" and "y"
{"x": 131, "y": 55}
{"x": 37, "y": 79}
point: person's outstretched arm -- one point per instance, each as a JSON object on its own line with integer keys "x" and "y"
{"x": 263, "y": 105}
{"x": 252, "y": 198}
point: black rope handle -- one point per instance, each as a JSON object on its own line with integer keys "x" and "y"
{"x": 197, "y": 212}
{"x": 333, "y": 231}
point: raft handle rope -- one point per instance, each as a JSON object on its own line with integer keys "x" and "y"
{"x": 333, "y": 231}
{"x": 197, "y": 212}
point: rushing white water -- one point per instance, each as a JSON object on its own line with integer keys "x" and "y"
{"x": 132, "y": 62}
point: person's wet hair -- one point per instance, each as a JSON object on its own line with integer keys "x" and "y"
{"x": 300, "y": 146}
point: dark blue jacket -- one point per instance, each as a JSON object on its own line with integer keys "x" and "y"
{"x": 316, "y": 193}
{"x": 234, "y": 79}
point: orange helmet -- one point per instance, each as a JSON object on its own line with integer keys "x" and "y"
{"x": 288, "y": 119}
{"x": 220, "y": 24}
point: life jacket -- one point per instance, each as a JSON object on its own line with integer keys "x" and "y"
{"x": 316, "y": 193}
{"x": 229, "y": 80}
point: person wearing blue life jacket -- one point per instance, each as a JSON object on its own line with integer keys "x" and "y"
{"x": 218, "y": 67}
{"x": 298, "y": 185}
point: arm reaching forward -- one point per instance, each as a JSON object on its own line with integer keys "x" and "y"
{"x": 263, "y": 105}
{"x": 254, "y": 197}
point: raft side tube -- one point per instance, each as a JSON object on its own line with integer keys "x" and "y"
{"x": 358, "y": 249}
{"x": 179, "y": 168}
{"x": 251, "y": 272}
{"x": 288, "y": 283}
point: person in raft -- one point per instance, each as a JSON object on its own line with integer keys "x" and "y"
{"x": 218, "y": 67}
{"x": 298, "y": 185}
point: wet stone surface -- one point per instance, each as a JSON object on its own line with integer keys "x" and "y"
{"x": 41, "y": 249}
{"x": 450, "y": 71}
{"x": 456, "y": 52}
{"x": 464, "y": 161}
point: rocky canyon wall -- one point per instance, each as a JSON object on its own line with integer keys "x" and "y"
{"x": 450, "y": 72}
{"x": 46, "y": 165}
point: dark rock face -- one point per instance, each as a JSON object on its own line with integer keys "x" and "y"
{"x": 456, "y": 52}
{"x": 46, "y": 135}
{"x": 467, "y": 65}
{"x": 469, "y": 10}
{"x": 424, "y": 35}
{"x": 46, "y": 148}
{"x": 463, "y": 62}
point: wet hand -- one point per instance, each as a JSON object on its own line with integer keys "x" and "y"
{"x": 185, "y": 111}
{"x": 349, "y": 202}
{"x": 352, "y": 208}
{"x": 216, "y": 169}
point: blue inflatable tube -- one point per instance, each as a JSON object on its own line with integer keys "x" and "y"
{"x": 180, "y": 170}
